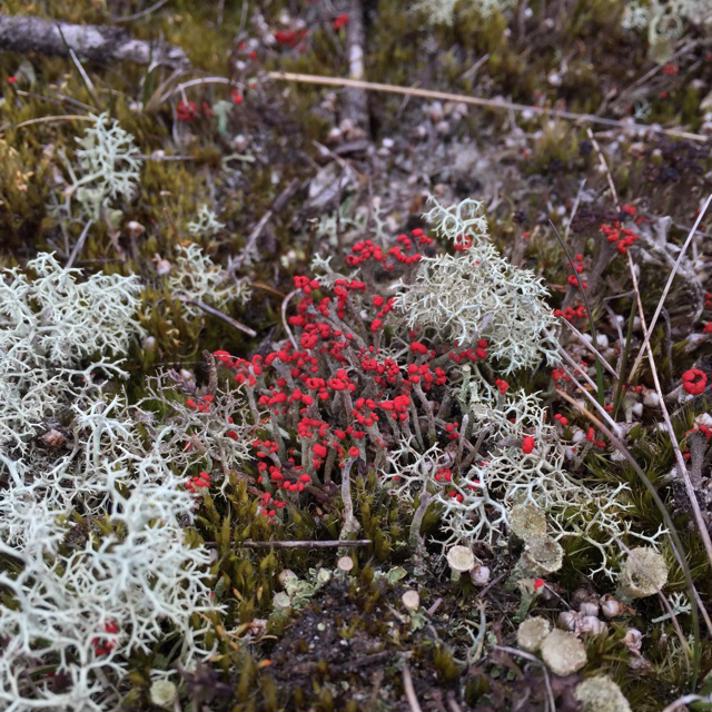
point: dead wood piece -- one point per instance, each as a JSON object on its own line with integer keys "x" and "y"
{"x": 99, "y": 43}
{"x": 356, "y": 100}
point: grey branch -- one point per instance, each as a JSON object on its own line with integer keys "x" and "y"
{"x": 299, "y": 544}
{"x": 100, "y": 43}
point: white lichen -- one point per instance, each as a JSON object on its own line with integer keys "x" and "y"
{"x": 195, "y": 278}
{"x": 601, "y": 694}
{"x": 92, "y": 523}
{"x": 206, "y": 223}
{"x": 477, "y": 294}
{"x": 106, "y": 168}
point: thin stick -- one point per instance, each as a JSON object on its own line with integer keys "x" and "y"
{"x": 668, "y": 284}
{"x": 606, "y": 169}
{"x": 681, "y": 466}
{"x": 78, "y": 245}
{"x": 351, "y": 524}
{"x": 303, "y": 544}
{"x": 410, "y": 690}
{"x": 48, "y": 120}
{"x": 180, "y": 88}
{"x": 574, "y": 209}
{"x": 477, "y": 101}
{"x": 285, "y": 323}
{"x": 221, "y": 315}
{"x": 142, "y": 13}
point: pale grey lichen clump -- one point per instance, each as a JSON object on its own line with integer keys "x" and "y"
{"x": 442, "y": 12}
{"x": 477, "y": 294}
{"x": 194, "y": 278}
{"x": 601, "y": 694}
{"x": 206, "y": 223}
{"x": 92, "y": 514}
{"x": 106, "y": 168}
{"x": 665, "y": 21}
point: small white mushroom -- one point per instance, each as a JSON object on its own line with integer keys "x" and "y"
{"x": 568, "y": 620}
{"x": 134, "y": 228}
{"x": 345, "y": 564}
{"x": 480, "y": 575}
{"x": 588, "y": 608}
{"x": 411, "y": 600}
{"x": 633, "y": 640}
{"x": 611, "y": 607}
{"x": 591, "y": 625}
{"x": 460, "y": 559}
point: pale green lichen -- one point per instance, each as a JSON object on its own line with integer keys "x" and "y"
{"x": 563, "y": 652}
{"x": 477, "y": 294}
{"x": 106, "y": 168}
{"x": 532, "y": 632}
{"x": 92, "y": 511}
{"x": 194, "y": 278}
{"x": 601, "y": 694}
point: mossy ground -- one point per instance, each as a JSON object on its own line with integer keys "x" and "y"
{"x": 344, "y": 650}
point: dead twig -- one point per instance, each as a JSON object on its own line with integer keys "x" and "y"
{"x": 100, "y": 43}
{"x": 668, "y": 285}
{"x": 78, "y": 245}
{"x": 479, "y": 101}
{"x": 213, "y": 311}
{"x": 303, "y": 544}
{"x": 410, "y": 690}
{"x": 356, "y": 104}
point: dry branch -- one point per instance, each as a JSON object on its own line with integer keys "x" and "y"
{"x": 99, "y": 43}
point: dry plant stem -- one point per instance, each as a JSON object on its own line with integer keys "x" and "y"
{"x": 48, "y": 120}
{"x": 681, "y": 466}
{"x": 587, "y": 395}
{"x": 78, "y": 245}
{"x": 351, "y": 525}
{"x": 304, "y": 544}
{"x": 180, "y": 88}
{"x": 574, "y": 209}
{"x": 452, "y": 703}
{"x": 415, "y": 540}
{"x": 668, "y": 285}
{"x": 675, "y": 623}
{"x": 532, "y": 658}
{"x": 142, "y": 13}
{"x": 477, "y": 101}
{"x": 606, "y": 169}
{"x": 285, "y": 323}
{"x": 667, "y": 519}
{"x": 221, "y": 315}
{"x": 410, "y": 690}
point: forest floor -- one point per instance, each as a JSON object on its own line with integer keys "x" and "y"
{"x": 589, "y": 151}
